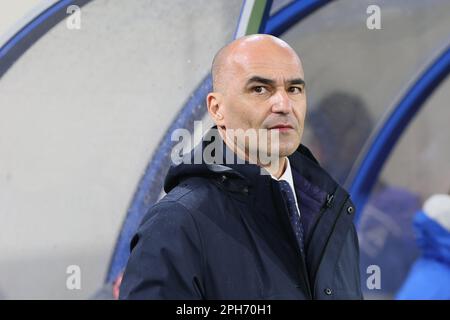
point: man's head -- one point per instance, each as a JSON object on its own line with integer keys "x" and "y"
{"x": 258, "y": 83}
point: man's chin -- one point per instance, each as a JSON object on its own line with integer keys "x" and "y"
{"x": 287, "y": 150}
{"x": 281, "y": 152}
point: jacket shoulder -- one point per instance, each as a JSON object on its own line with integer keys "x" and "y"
{"x": 166, "y": 258}
{"x": 164, "y": 216}
{"x": 194, "y": 193}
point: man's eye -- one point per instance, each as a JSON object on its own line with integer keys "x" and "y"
{"x": 296, "y": 90}
{"x": 259, "y": 89}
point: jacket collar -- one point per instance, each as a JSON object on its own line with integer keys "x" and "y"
{"x": 302, "y": 161}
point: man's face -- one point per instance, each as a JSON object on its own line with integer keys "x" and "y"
{"x": 264, "y": 89}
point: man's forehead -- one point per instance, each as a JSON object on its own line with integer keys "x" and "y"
{"x": 275, "y": 70}
{"x": 273, "y": 79}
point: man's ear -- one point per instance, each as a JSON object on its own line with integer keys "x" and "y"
{"x": 214, "y": 104}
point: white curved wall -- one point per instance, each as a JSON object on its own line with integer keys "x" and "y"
{"x": 16, "y": 14}
{"x": 81, "y": 114}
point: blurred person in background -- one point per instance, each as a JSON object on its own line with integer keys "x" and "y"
{"x": 429, "y": 277}
{"x": 340, "y": 125}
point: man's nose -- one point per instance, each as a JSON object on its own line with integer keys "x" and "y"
{"x": 281, "y": 103}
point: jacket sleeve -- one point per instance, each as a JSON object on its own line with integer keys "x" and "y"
{"x": 166, "y": 257}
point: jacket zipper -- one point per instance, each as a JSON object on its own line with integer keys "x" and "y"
{"x": 326, "y": 205}
{"x": 306, "y": 277}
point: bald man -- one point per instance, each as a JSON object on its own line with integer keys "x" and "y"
{"x": 267, "y": 222}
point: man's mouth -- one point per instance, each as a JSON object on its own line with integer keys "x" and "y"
{"x": 281, "y": 127}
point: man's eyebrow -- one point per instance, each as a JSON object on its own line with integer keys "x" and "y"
{"x": 271, "y": 82}
{"x": 297, "y": 81}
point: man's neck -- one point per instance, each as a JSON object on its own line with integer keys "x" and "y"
{"x": 278, "y": 172}
{"x": 275, "y": 170}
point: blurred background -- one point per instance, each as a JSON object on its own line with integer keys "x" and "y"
{"x": 86, "y": 115}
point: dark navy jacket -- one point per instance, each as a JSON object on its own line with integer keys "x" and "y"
{"x": 223, "y": 232}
